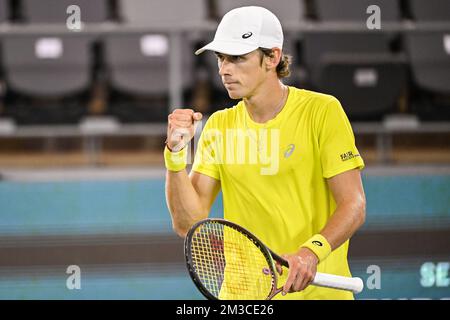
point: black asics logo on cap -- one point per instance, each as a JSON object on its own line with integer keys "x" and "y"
{"x": 247, "y": 35}
{"x": 317, "y": 243}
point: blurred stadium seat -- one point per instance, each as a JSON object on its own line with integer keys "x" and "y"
{"x": 429, "y": 55}
{"x": 2, "y": 86}
{"x": 4, "y": 11}
{"x": 430, "y": 10}
{"x": 288, "y": 11}
{"x": 368, "y": 87}
{"x": 162, "y": 12}
{"x": 355, "y": 10}
{"x": 318, "y": 43}
{"x": 54, "y": 11}
{"x": 358, "y": 68}
{"x": 139, "y": 76}
{"x": 45, "y": 76}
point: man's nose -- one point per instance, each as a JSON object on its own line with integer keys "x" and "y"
{"x": 224, "y": 67}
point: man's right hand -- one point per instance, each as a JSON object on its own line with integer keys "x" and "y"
{"x": 181, "y": 128}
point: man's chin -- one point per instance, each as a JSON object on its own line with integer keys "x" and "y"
{"x": 234, "y": 95}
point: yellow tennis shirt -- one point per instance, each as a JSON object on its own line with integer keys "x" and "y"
{"x": 273, "y": 176}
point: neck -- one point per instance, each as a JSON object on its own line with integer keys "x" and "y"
{"x": 265, "y": 104}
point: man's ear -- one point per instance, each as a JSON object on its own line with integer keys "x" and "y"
{"x": 273, "y": 59}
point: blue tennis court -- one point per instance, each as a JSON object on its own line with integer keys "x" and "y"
{"x": 106, "y": 217}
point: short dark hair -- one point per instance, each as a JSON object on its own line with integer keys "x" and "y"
{"x": 283, "y": 66}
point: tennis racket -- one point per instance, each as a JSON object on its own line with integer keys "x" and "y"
{"x": 227, "y": 262}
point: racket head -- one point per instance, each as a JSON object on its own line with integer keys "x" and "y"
{"x": 226, "y": 261}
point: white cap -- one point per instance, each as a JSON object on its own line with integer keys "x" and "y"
{"x": 245, "y": 29}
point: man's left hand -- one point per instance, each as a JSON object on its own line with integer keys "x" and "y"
{"x": 302, "y": 270}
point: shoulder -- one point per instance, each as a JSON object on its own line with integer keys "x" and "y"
{"x": 321, "y": 110}
{"x": 225, "y": 117}
{"x": 316, "y": 105}
{"x": 315, "y": 100}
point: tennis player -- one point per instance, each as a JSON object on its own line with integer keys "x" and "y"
{"x": 284, "y": 158}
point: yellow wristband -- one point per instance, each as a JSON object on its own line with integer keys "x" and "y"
{"x": 175, "y": 161}
{"x": 319, "y": 245}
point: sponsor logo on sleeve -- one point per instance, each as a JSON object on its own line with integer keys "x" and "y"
{"x": 348, "y": 155}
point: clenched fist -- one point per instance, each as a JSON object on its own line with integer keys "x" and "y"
{"x": 181, "y": 128}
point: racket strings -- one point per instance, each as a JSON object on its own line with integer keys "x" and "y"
{"x": 229, "y": 264}
{"x": 207, "y": 252}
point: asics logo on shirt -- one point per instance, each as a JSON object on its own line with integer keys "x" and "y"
{"x": 289, "y": 150}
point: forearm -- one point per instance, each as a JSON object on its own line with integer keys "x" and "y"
{"x": 183, "y": 201}
{"x": 346, "y": 220}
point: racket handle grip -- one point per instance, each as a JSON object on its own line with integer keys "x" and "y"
{"x": 355, "y": 285}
